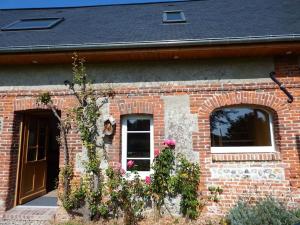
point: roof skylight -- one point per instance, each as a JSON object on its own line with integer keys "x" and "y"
{"x": 32, "y": 24}
{"x": 174, "y": 17}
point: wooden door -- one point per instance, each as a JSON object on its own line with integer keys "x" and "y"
{"x": 33, "y": 169}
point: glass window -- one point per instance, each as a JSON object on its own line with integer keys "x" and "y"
{"x": 32, "y": 24}
{"x": 174, "y": 17}
{"x": 137, "y": 143}
{"x": 241, "y": 129}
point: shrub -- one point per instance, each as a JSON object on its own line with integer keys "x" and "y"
{"x": 267, "y": 212}
{"x": 163, "y": 166}
{"x": 186, "y": 183}
{"x": 126, "y": 196}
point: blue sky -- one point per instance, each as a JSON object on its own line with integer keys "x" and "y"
{"x": 9, "y": 4}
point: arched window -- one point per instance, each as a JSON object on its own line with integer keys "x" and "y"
{"x": 241, "y": 129}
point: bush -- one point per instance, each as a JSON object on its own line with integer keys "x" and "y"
{"x": 267, "y": 212}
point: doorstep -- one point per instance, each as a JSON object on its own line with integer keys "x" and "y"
{"x": 30, "y": 213}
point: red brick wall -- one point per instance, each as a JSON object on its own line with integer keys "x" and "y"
{"x": 204, "y": 98}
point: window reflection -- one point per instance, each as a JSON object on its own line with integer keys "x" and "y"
{"x": 240, "y": 126}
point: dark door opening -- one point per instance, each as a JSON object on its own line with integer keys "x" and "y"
{"x": 39, "y": 158}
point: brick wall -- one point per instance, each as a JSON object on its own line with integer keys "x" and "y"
{"x": 237, "y": 174}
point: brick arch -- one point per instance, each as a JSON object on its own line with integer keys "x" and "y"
{"x": 136, "y": 108}
{"x": 30, "y": 103}
{"x": 252, "y": 98}
{"x": 277, "y": 106}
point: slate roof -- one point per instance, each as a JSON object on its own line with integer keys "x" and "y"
{"x": 208, "y": 22}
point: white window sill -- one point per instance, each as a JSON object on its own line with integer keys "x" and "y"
{"x": 258, "y": 149}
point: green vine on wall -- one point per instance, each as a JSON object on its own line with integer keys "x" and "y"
{"x": 86, "y": 198}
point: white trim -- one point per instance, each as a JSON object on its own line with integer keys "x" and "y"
{"x": 142, "y": 174}
{"x": 243, "y": 149}
{"x": 250, "y": 149}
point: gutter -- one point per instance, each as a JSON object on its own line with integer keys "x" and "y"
{"x": 282, "y": 87}
{"x": 152, "y": 44}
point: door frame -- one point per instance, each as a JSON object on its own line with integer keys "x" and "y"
{"x": 22, "y": 150}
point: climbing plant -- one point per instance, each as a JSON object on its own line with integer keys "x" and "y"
{"x": 85, "y": 114}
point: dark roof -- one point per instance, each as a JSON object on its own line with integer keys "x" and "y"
{"x": 208, "y": 22}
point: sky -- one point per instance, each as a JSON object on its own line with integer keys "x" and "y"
{"x": 13, "y": 4}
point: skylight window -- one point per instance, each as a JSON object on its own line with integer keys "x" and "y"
{"x": 174, "y": 17}
{"x": 33, "y": 24}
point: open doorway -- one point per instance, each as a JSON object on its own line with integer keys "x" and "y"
{"x": 39, "y": 159}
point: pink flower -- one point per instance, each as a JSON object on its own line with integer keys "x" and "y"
{"x": 130, "y": 164}
{"x": 148, "y": 180}
{"x": 166, "y": 142}
{"x": 122, "y": 171}
{"x": 170, "y": 143}
{"x": 156, "y": 152}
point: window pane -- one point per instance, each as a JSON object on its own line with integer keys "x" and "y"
{"x": 240, "y": 127}
{"x": 138, "y": 125}
{"x": 140, "y": 165}
{"x": 33, "y": 24}
{"x": 32, "y": 141}
{"x": 174, "y": 16}
{"x": 138, "y": 145}
{"x": 31, "y": 154}
{"x": 42, "y": 142}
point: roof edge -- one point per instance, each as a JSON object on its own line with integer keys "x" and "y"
{"x": 100, "y": 5}
{"x": 151, "y": 44}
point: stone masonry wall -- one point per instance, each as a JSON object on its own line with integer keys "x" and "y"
{"x": 181, "y": 111}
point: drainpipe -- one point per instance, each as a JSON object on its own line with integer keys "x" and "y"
{"x": 282, "y": 87}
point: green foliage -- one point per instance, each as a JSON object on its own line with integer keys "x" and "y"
{"x": 215, "y": 192}
{"x": 186, "y": 182}
{"x": 163, "y": 166}
{"x": 297, "y": 213}
{"x": 74, "y": 200}
{"x": 268, "y": 212}
{"x": 71, "y": 223}
{"x": 169, "y": 181}
{"x": 86, "y": 115}
{"x": 44, "y": 98}
{"x": 127, "y": 196}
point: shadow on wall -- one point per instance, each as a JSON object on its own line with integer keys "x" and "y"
{"x": 298, "y": 146}
{"x": 130, "y": 72}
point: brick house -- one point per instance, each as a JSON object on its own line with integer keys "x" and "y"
{"x": 194, "y": 71}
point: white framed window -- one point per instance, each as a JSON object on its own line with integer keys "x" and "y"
{"x": 138, "y": 143}
{"x": 241, "y": 129}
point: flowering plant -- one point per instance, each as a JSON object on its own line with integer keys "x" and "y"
{"x": 170, "y": 143}
{"x": 126, "y": 196}
{"x": 163, "y": 166}
{"x": 148, "y": 180}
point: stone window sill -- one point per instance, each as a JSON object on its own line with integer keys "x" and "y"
{"x": 275, "y": 156}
